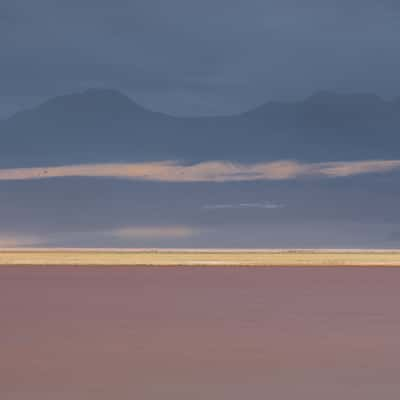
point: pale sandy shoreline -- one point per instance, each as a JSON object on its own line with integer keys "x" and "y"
{"x": 203, "y": 257}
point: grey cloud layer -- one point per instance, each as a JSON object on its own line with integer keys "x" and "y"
{"x": 354, "y": 211}
{"x": 193, "y": 57}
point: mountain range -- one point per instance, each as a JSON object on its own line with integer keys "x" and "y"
{"x": 101, "y": 125}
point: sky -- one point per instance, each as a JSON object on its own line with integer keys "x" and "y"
{"x": 188, "y": 57}
{"x": 193, "y": 59}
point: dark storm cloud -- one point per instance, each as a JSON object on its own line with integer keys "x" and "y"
{"x": 187, "y": 56}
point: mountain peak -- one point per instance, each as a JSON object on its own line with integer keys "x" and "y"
{"x": 333, "y": 98}
{"x": 100, "y": 92}
{"x": 94, "y": 101}
{"x": 320, "y": 101}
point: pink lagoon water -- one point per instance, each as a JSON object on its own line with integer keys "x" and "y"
{"x": 199, "y": 333}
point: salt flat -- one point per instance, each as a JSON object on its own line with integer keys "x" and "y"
{"x": 204, "y": 257}
{"x": 199, "y": 333}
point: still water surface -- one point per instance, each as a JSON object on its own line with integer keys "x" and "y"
{"x": 199, "y": 333}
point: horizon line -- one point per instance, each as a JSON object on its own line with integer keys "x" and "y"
{"x": 200, "y": 250}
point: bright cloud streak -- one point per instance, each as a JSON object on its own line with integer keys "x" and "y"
{"x": 266, "y": 205}
{"x": 153, "y": 232}
{"x": 12, "y": 241}
{"x": 213, "y": 171}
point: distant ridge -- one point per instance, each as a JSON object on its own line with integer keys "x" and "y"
{"x": 107, "y": 101}
{"x": 95, "y": 99}
{"x": 100, "y": 125}
{"x": 323, "y": 99}
{"x": 334, "y": 98}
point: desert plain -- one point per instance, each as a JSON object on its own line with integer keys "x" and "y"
{"x": 204, "y": 257}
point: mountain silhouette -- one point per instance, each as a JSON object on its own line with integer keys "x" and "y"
{"x": 102, "y": 125}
